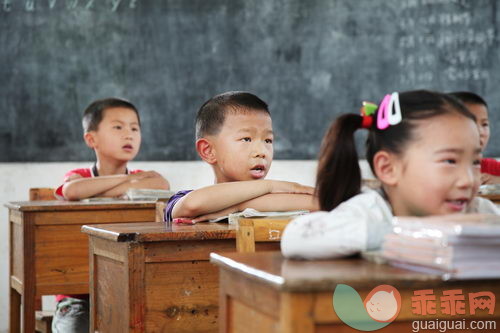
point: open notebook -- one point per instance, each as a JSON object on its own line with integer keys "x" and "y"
{"x": 250, "y": 212}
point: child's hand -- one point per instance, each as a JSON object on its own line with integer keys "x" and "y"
{"x": 150, "y": 174}
{"x": 144, "y": 174}
{"x": 183, "y": 220}
{"x": 290, "y": 187}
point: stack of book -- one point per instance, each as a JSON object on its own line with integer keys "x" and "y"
{"x": 148, "y": 194}
{"x": 489, "y": 189}
{"x": 464, "y": 246}
{"x": 136, "y": 194}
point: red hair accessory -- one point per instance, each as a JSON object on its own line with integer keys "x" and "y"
{"x": 367, "y": 122}
{"x": 367, "y": 111}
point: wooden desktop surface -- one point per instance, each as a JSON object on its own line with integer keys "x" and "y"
{"x": 264, "y": 292}
{"x": 157, "y": 232}
{"x": 56, "y": 205}
{"x": 273, "y": 269}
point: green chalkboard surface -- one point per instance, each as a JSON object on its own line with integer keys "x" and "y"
{"x": 310, "y": 60}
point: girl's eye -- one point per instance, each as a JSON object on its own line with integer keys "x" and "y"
{"x": 450, "y": 161}
{"x": 269, "y": 140}
{"x": 246, "y": 139}
{"x": 117, "y": 127}
{"x": 135, "y": 129}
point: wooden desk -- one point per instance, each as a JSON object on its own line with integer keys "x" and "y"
{"x": 49, "y": 254}
{"x": 263, "y": 292}
{"x": 148, "y": 277}
{"x": 155, "y": 278}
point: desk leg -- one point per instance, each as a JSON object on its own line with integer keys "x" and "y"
{"x": 28, "y": 297}
{"x": 28, "y": 313}
{"x": 15, "y": 311}
{"x": 296, "y": 313}
{"x": 92, "y": 291}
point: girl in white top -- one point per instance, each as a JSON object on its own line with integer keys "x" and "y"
{"x": 424, "y": 148}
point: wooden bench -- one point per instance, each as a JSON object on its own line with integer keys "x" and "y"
{"x": 44, "y": 321}
{"x": 42, "y": 193}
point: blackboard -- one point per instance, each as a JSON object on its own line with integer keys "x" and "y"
{"x": 310, "y": 60}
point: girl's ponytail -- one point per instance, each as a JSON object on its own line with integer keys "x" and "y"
{"x": 339, "y": 174}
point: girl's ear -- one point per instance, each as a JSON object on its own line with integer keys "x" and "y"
{"x": 89, "y": 139}
{"x": 206, "y": 150}
{"x": 387, "y": 167}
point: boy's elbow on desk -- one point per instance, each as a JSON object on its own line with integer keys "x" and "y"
{"x": 186, "y": 208}
{"x": 70, "y": 192}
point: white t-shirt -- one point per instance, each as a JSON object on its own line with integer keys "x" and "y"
{"x": 358, "y": 224}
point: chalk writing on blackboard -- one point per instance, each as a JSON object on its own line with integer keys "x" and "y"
{"x": 463, "y": 43}
{"x": 416, "y": 3}
{"x": 310, "y": 60}
{"x": 33, "y": 5}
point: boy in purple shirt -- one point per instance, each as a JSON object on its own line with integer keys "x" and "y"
{"x": 235, "y": 136}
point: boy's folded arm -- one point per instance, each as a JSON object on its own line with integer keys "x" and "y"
{"x": 148, "y": 180}
{"x": 81, "y": 188}
{"x": 218, "y": 197}
{"x": 280, "y": 202}
{"x": 215, "y": 215}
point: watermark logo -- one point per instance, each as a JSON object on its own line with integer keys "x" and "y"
{"x": 452, "y": 302}
{"x": 379, "y": 309}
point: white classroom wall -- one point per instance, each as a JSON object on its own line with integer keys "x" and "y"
{"x": 17, "y": 178}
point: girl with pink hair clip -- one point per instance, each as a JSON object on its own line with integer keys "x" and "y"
{"x": 423, "y": 147}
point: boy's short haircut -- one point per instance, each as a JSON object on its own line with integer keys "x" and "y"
{"x": 212, "y": 113}
{"x": 92, "y": 116}
{"x": 468, "y": 97}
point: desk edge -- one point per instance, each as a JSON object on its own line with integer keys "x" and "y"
{"x": 110, "y": 235}
{"x": 250, "y": 272}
